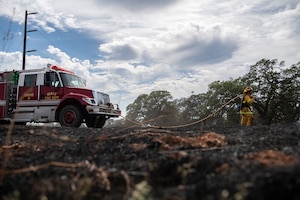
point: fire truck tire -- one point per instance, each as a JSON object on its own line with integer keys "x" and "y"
{"x": 95, "y": 121}
{"x": 70, "y": 116}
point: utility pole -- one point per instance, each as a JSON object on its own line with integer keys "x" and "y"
{"x": 25, "y": 37}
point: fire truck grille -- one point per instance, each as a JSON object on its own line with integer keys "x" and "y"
{"x": 103, "y": 98}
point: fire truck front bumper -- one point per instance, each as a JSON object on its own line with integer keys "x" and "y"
{"x": 103, "y": 110}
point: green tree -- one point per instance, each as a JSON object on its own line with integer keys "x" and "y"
{"x": 221, "y": 92}
{"x": 192, "y": 109}
{"x": 138, "y": 110}
{"x": 157, "y": 108}
{"x": 289, "y": 106}
{"x": 276, "y": 90}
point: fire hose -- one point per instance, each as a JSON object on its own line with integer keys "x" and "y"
{"x": 184, "y": 125}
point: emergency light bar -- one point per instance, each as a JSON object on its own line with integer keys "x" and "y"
{"x": 56, "y": 68}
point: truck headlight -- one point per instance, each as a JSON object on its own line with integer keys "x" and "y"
{"x": 90, "y": 101}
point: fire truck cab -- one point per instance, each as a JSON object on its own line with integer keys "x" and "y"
{"x": 52, "y": 94}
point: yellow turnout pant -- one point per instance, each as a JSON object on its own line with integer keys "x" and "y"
{"x": 246, "y": 117}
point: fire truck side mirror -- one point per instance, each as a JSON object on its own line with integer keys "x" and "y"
{"x": 48, "y": 79}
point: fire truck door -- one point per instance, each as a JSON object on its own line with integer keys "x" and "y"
{"x": 51, "y": 93}
{"x": 51, "y": 90}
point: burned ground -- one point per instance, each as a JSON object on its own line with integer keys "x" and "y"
{"x": 260, "y": 162}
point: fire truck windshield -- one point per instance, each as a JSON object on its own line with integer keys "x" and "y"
{"x": 71, "y": 80}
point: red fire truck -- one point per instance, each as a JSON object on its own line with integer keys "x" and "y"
{"x": 52, "y": 94}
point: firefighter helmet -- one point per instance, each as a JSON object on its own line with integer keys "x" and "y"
{"x": 248, "y": 89}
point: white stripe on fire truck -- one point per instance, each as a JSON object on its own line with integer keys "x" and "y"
{"x": 36, "y": 103}
{"x": 2, "y": 102}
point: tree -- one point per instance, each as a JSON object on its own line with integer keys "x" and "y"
{"x": 192, "y": 108}
{"x": 137, "y": 111}
{"x": 288, "y": 108}
{"x": 157, "y": 108}
{"x": 276, "y": 90}
{"x": 219, "y": 93}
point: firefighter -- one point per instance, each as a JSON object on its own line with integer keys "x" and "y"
{"x": 246, "y": 112}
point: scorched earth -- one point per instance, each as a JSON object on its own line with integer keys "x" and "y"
{"x": 238, "y": 163}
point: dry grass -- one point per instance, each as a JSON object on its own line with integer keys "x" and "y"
{"x": 272, "y": 158}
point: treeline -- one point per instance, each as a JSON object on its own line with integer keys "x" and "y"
{"x": 276, "y": 91}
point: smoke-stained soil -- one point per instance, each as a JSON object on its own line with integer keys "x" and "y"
{"x": 145, "y": 163}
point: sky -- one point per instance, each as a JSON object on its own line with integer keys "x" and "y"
{"x": 130, "y": 47}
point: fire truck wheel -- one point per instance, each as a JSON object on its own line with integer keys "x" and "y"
{"x": 70, "y": 116}
{"x": 95, "y": 121}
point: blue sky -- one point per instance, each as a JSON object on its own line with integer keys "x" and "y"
{"x": 131, "y": 47}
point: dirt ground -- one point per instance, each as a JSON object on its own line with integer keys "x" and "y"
{"x": 238, "y": 163}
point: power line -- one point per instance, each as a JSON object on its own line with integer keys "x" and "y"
{"x": 8, "y": 35}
